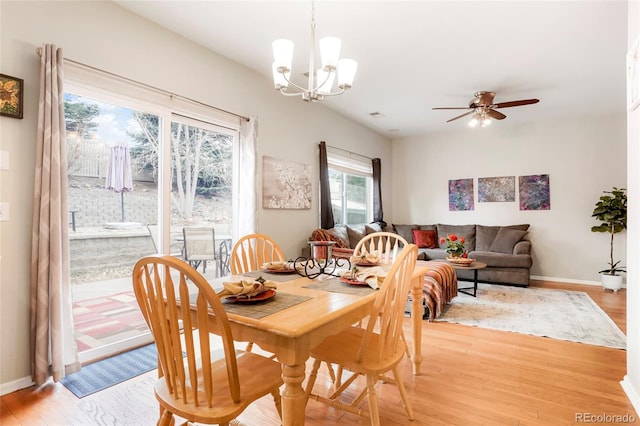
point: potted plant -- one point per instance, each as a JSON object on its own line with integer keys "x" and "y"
{"x": 611, "y": 211}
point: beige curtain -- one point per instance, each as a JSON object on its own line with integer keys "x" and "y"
{"x": 53, "y": 348}
{"x": 247, "y": 222}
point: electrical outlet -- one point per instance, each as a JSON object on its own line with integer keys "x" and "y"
{"x": 4, "y": 211}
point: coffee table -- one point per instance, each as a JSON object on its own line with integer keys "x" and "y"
{"x": 476, "y": 266}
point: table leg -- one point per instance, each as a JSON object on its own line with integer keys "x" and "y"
{"x": 475, "y": 285}
{"x": 293, "y": 397}
{"x": 416, "y": 319}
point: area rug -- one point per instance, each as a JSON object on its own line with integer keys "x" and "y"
{"x": 558, "y": 314}
{"x": 108, "y": 319}
{"x": 111, "y": 371}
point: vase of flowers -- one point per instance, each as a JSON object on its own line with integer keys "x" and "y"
{"x": 455, "y": 245}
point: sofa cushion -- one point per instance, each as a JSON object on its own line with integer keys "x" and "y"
{"x": 425, "y": 238}
{"x": 405, "y": 231}
{"x": 355, "y": 232}
{"x": 506, "y": 239}
{"x": 341, "y": 232}
{"x": 466, "y": 231}
{"x": 371, "y": 228}
{"x": 502, "y": 260}
{"x": 486, "y": 234}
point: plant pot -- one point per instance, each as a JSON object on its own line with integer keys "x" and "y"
{"x": 611, "y": 282}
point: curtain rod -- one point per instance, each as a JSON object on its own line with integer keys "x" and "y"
{"x": 349, "y": 152}
{"x": 148, "y": 86}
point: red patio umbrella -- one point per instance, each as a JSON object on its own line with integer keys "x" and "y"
{"x": 119, "y": 177}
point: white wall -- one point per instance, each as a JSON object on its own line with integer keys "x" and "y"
{"x": 631, "y": 382}
{"x": 583, "y": 156}
{"x": 108, "y": 37}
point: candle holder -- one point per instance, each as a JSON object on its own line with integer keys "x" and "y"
{"x": 321, "y": 261}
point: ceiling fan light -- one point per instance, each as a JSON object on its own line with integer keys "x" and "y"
{"x": 473, "y": 122}
{"x": 330, "y": 52}
{"x": 282, "y": 54}
{"x": 346, "y": 73}
{"x": 486, "y": 122}
{"x": 279, "y": 78}
{"x": 325, "y": 80}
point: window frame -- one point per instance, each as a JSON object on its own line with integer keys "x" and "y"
{"x": 350, "y": 166}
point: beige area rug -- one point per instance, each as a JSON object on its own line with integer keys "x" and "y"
{"x": 558, "y": 314}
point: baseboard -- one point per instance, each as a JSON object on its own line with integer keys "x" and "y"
{"x": 565, "y": 280}
{"x": 6, "y": 388}
{"x": 632, "y": 393}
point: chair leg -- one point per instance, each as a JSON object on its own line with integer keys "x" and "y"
{"x": 278, "y": 401}
{"x": 166, "y": 419}
{"x": 403, "y": 392}
{"x": 312, "y": 377}
{"x": 374, "y": 414}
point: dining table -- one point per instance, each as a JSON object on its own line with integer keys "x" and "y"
{"x": 298, "y": 315}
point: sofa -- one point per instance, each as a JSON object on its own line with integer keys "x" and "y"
{"x": 503, "y": 248}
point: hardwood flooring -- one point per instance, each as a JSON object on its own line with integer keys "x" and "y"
{"x": 471, "y": 376}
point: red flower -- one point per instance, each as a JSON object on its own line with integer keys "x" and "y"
{"x": 442, "y": 240}
{"x": 461, "y": 240}
{"x": 452, "y": 237}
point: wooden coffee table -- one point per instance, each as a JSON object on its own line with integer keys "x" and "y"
{"x": 475, "y": 266}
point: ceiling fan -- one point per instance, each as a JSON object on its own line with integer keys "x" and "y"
{"x": 483, "y": 108}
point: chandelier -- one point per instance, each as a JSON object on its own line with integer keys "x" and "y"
{"x": 320, "y": 81}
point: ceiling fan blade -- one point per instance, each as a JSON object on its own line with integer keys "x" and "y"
{"x": 484, "y": 98}
{"x": 496, "y": 114}
{"x": 515, "y": 103}
{"x": 460, "y": 116}
{"x": 452, "y": 108}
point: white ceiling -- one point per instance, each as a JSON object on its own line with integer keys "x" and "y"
{"x": 415, "y": 55}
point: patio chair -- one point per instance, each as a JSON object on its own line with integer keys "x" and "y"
{"x": 199, "y": 246}
{"x": 154, "y": 232}
{"x": 372, "y": 351}
{"x": 210, "y": 385}
{"x": 224, "y": 253}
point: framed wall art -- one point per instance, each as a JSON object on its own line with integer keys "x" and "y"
{"x": 461, "y": 194}
{"x": 285, "y": 184}
{"x": 11, "y": 96}
{"x": 497, "y": 189}
{"x": 535, "y": 192}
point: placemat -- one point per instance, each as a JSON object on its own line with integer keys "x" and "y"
{"x": 265, "y": 308}
{"x": 334, "y": 285}
{"x": 271, "y": 276}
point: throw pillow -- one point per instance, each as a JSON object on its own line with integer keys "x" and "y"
{"x": 486, "y": 234}
{"x": 354, "y": 236}
{"x": 371, "y": 228}
{"x": 405, "y": 231}
{"x": 506, "y": 239}
{"x": 424, "y": 238}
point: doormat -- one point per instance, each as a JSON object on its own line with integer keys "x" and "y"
{"x": 110, "y": 371}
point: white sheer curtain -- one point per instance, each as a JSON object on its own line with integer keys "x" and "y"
{"x": 247, "y": 222}
{"x": 53, "y": 347}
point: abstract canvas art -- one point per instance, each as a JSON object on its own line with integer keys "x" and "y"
{"x": 497, "y": 189}
{"x": 461, "y": 194}
{"x": 285, "y": 184}
{"x": 534, "y": 192}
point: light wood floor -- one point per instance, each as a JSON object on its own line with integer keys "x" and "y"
{"x": 471, "y": 376}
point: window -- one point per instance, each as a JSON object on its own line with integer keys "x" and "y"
{"x": 351, "y": 184}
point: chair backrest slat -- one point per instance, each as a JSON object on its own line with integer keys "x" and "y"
{"x": 251, "y": 251}
{"x": 387, "y": 244}
{"x": 388, "y": 309}
{"x": 179, "y": 305}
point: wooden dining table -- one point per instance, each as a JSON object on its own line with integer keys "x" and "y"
{"x": 292, "y": 332}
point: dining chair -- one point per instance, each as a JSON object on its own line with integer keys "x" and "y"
{"x": 387, "y": 244}
{"x": 199, "y": 246}
{"x": 372, "y": 351}
{"x": 209, "y": 384}
{"x": 251, "y": 251}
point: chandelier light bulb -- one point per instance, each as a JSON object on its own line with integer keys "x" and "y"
{"x": 346, "y": 73}
{"x": 283, "y": 54}
{"x": 280, "y": 80}
{"x": 325, "y": 81}
{"x": 330, "y": 52}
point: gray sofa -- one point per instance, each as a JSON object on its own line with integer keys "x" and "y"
{"x": 503, "y": 248}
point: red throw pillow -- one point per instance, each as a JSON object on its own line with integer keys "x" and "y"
{"x": 424, "y": 238}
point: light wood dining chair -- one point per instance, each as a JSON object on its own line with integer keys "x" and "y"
{"x": 208, "y": 385}
{"x": 250, "y": 252}
{"x": 372, "y": 351}
{"x": 387, "y": 244}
